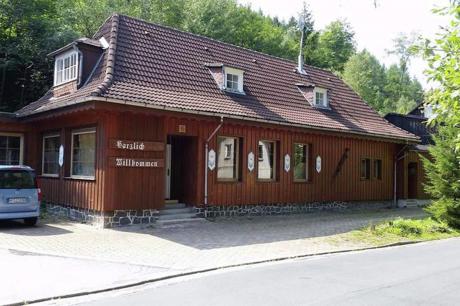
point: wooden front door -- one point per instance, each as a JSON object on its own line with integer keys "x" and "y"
{"x": 412, "y": 180}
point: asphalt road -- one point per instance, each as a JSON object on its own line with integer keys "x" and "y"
{"x": 422, "y": 274}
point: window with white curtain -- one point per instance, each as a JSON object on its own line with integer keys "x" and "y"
{"x": 83, "y": 153}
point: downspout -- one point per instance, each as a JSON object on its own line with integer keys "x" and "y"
{"x": 206, "y": 166}
{"x": 395, "y": 201}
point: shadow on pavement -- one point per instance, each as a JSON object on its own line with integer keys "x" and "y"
{"x": 43, "y": 228}
{"x": 241, "y": 231}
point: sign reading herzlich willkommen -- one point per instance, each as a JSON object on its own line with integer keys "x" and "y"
{"x": 131, "y": 145}
{"x": 127, "y": 162}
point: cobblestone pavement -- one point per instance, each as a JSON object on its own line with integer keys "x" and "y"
{"x": 200, "y": 245}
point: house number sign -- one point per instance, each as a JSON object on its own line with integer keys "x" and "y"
{"x": 131, "y": 145}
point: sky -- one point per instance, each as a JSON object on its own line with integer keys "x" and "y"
{"x": 375, "y": 27}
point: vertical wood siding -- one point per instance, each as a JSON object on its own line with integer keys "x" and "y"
{"x": 85, "y": 194}
{"x": 323, "y": 186}
{"x": 143, "y": 188}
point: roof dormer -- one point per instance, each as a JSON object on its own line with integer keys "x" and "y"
{"x": 229, "y": 79}
{"x": 318, "y": 97}
{"x": 74, "y": 62}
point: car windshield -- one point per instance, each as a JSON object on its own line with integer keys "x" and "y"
{"x": 17, "y": 179}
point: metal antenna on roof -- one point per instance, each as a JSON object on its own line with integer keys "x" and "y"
{"x": 300, "y": 59}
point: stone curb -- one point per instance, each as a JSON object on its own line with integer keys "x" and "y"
{"x": 177, "y": 275}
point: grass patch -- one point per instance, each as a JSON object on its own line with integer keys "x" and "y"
{"x": 400, "y": 230}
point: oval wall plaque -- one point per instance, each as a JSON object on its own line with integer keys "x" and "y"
{"x": 251, "y": 161}
{"x": 212, "y": 159}
{"x": 318, "y": 164}
{"x": 287, "y": 163}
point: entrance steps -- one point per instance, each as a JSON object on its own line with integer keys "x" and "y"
{"x": 176, "y": 213}
{"x": 413, "y": 202}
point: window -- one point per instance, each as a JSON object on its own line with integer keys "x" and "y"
{"x": 228, "y": 158}
{"x": 365, "y": 168}
{"x": 17, "y": 179}
{"x": 300, "y": 162}
{"x": 428, "y": 111}
{"x": 233, "y": 80}
{"x": 50, "y": 155}
{"x": 10, "y": 149}
{"x": 378, "y": 169}
{"x": 83, "y": 154}
{"x": 266, "y": 165}
{"x": 320, "y": 95}
{"x": 66, "y": 68}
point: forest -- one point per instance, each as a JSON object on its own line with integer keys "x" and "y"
{"x": 30, "y": 29}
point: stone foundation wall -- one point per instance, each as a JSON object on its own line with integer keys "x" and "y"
{"x": 116, "y": 218}
{"x": 286, "y": 209}
{"x": 119, "y": 218}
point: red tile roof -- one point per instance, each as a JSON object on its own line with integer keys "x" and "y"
{"x": 157, "y": 66}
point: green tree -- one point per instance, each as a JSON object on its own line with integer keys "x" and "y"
{"x": 335, "y": 46}
{"x": 386, "y": 90}
{"x": 443, "y": 168}
{"x": 366, "y": 76}
{"x": 27, "y": 34}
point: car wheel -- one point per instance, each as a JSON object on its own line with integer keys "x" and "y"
{"x": 30, "y": 221}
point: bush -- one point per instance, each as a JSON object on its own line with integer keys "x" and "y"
{"x": 412, "y": 228}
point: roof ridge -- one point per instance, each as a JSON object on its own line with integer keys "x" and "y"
{"x": 109, "y": 70}
{"x": 225, "y": 43}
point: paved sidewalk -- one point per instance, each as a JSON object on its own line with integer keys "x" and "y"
{"x": 136, "y": 254}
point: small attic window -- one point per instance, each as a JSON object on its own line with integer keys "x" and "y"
{"x": 233, "y": 80}
{"x": 320, "y": 97}
{"x": 65, "y": 67}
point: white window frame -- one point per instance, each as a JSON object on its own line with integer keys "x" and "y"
{"x": 43, "y": 154}
{"x": 63, "y": 57}
{"x": 21, "y": 144}
{"x": 324, "y": 92}
{"x": 81, "y": 132}
{"x": 237, "y": 72}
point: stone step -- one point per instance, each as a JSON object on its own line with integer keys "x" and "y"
{"x": 174, "y": 206}
{"x": 171, "y": 201}
{"x": 177, "y": 216}
{"x": 178, "y": 222}
{"x": 172, "y": 211}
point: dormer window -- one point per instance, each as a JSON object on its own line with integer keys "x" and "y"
{"x": 66, "y": 68}
{"x": 320, "y": 97}
{"x": 233, "y": 80}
